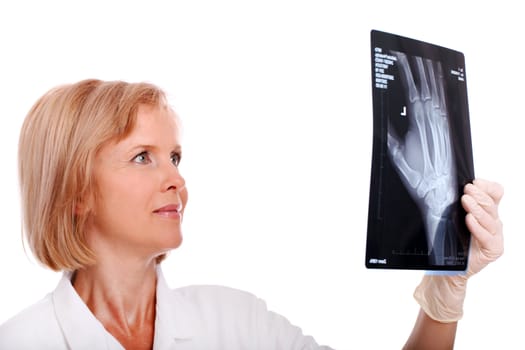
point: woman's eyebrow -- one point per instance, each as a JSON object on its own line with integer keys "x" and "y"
{"x": 148, "y": 146}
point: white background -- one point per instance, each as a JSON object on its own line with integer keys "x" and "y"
{"x": 275, "y": 97}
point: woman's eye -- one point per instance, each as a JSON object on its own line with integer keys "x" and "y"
{"x": 175, "y": 159}
{"x": 141, "y": 158}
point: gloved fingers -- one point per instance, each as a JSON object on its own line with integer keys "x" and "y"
{"x": 481, "y": 214}
{"x": 486, "y": 230}
{"x": 493, "y": 189}
{"x": 487, "y": 194}
{"x": 483, "y": 235}
{"x": 484, "y": 249}
{"x": 481, "y": 201}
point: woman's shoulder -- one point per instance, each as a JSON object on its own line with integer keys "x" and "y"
{"x": 214, "y": 290}
{"x": 34, "y": 327}
{"x": 239, "y": 313}
{"x": 215, "y": 295}
{"x": 215, "y": 302}
{"x": 35, "y": 313}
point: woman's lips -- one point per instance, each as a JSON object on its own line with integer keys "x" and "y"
{"x": 169, "y": 211}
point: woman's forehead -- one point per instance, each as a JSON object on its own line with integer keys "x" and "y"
{"x": 154, "y": 127}
{"x": 150, "y": 118}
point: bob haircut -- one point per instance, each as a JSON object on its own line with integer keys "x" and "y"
{"x": 59, "y": 139}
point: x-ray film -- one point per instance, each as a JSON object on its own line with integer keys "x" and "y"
{"x": 421, "y": 157}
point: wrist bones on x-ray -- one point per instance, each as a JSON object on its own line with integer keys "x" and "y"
{"x": 424, "y": 158}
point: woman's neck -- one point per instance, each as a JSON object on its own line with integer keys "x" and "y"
{"x": 122, "y": 296}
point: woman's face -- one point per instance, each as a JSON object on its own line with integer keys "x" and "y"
{"x": 140, "y": 193}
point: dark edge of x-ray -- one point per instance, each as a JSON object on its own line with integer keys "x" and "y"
{"x": 421, "y": 156}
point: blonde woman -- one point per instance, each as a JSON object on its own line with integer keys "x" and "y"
{"x": 103, "y": 201}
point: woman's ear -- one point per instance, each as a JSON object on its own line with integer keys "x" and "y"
{"x": 80, "y": 209}
{"x": 82, "y": 206}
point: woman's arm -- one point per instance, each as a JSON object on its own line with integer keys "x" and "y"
{"x": 441, "y": 297}
{"x": 429, "y": 334}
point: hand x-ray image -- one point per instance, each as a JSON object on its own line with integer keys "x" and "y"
{"x": 421, "y": 158}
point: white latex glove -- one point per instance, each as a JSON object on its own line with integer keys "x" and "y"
{"x": 441, "y": 297}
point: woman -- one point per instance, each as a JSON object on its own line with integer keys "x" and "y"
{"x": 103, "y": 201}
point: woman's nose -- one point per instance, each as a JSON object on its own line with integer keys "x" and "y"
{"x": 173, "y": 178}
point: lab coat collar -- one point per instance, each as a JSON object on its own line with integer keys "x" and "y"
{"x": 81, "y": 329}
{"x": 175, "y": 318}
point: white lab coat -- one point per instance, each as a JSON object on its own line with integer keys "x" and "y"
{"x": 195, "y": 317}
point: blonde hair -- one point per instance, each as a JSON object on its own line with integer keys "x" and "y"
{"x": 59, "y": 139}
